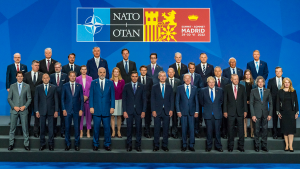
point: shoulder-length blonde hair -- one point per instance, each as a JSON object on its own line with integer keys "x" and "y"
{"x": 251, "y": 78}
{"x": 291, "y": 89}
{"x": 113, "y": 76}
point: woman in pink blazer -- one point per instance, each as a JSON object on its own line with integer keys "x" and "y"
{"x": 85, "y": 81}
{"x": 119, "y": 84}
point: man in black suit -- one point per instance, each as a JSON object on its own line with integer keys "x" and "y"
{"x": 179, "y": 68}
{"x": 46, "y": 107}
{"x": 274, "y": 85}
{"x": 221, "y": 82}
{"x": 33, "y": 79}
{"x": 126, "y": 66}
{"x": 148, "y": 83}
{"x": 174, "y": 82}
{"x": 59, "y": 79}
{"x": 47, "y": 64}
{"x": 71, "y": 66}
{"x": 204, "y": 69}
{"x": 235, "y": 109}
{"x": 232, "y": 69}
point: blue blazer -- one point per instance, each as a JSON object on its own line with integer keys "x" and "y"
{"x": 227, "y": 73}
{"x": 210, "y": 107}
{"x": 102, "y": 102}
{"x": 45, "y": 105}
{"x": 92, "y": 69}
{"x": 11, "y": 73}
{"x": 183, "y": 104}
{"x": 209, "y": 72}
{"x": 134, "y": 102}
{"x": 263, "y": 69}
{"x": 156, "y": 71}
{"x": 63, "y": 79}
{"x": 158, "y": 102}
{"x": 66, "y": 69}
{"x": 197, "y": 81}
{"x": 69, "y": 102}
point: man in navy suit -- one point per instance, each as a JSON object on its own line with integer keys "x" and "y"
{"x": 258, "y": 67}
{"x": 204, "y": 69}
{"x": 154, "y": 68}
{"x": 232, "y": 69}
{"x": 13, "y": 69}
{"x": 59, "y": 79}
{"x": 46, "y": 107}
{"x": 134, "y": 103}
{"x": 72, "y": 106}
{"x": 162, "y": 107}
{"x": 211, "y": 99}
{"x": 71, "y": 66}
{"x": 126, "y": 66}
{"x": 95, "y": 63}
{"x": 102, "y": 105}
{"x": 187, "y": 107}
{"x": 179, "y": 68}
{"x": 47, "y": 64}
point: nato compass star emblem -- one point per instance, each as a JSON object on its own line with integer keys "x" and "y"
{"x": 93, "y": 24}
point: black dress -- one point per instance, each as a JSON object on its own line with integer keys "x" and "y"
{"x": 288, "y": 121}
{"x": 248, "y": 91}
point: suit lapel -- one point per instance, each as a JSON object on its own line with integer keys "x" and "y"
{"x": 122, "y": 67}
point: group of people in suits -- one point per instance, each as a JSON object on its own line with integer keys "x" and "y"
{"x": 189, "y": 94}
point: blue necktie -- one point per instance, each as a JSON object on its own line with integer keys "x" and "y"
{"x": 126, "y": 67}
{"x": 20, "y": 89}
{"x": 261, "y": 94}
{"x": 46, "y": 90}
{"x": 134, "y": 89}
{"x": 257, "y": 67}
{"x": 233, "y": 71}
{"x": 163, "y": 90}
{"x": 102, "y": 86}
{"x": 212, "y": 97}
{"x": 187, "y": 92}
{"x": 72, "y": 68}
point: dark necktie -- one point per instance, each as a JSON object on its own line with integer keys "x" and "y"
{"x": 261, "y": 95}
{"x": 57, "y": 81}
{"x": 72, "y": 68}
{"x": 219, "y": 84}
{"x": 72, "y": 89}
{"x": 204, "y": 69}
{"x": 134, "y": 89}
{"x": 172, "y": 83}
{"x": 34, "y": 78}
{"x": 126, "y": 67}
{"x": 18, "y": 69}
{"x": 212, "y": 97}
{"x": 48, "y": 65}
{"x": 101, "y": 86}
{"x": 233, "y": 71}
{"x": 46, "y": 90}
{"x": 143, "y": 80}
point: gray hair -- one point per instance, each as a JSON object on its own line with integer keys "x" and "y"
{"x": 217, "y": 67}
{"x": 101, "y": 68}
{"x": 231, "y": 58}
{"x": 57, "y": 63}
{"x": 178, "y": 53}
{"x": 34, "y": 61}
{"x": 186, "y": 74}
{"x": 96, "y": 47}
{"x": 161, "y": 73}
{"x": 17, "y": 54}
{"x": 260, "y": 78}
{"x": 48, "y": 49}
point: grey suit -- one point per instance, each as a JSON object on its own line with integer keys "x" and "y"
{"x": 260, "y": 109}
{"x": 16, "y": 100}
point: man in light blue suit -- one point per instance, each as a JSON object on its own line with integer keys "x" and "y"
{"x": 258, "y": 67}
{"x": 102, "y": 105}
{"x": 154, "y": 68}
{"x": 187, "y": 107}
{"x": 95, "y": 63}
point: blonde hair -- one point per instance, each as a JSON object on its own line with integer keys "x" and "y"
{"x": 256, "y": 51}
{"x": 113, "y": 76}
{"x": 210, "y": 78}
{"x": 291, "y": 89}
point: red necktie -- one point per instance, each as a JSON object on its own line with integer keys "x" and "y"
{"x": 18, "y": 68}
{"x": 235, "y": 92}
{"x": 57, "y": 81}
{"x": 219, "y": 84}
{"x": 48, "y": 65}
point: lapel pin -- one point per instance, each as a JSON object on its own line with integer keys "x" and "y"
{"x": 96, "y": 82}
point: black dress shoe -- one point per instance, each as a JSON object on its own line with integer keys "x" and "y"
{"x": 129, "y": 148}
{"x": 67, "y": 148}
{"x": 183, "y": 149}
{"x": 36, "y": 135}
{"x": 230, "y": 150}
{"x": 27, "y": 148}
{"x": 191, "y": 148}
{"x": 197, "y": 135}
{"x": 287, "y": 149}
{"x": 51, "y": 148}
{"x": 256, "y": 149}
{"x": 200, "y": 124}
{"x": 62, "y": 135}
{"x": 77, "y": 148}
{"x": 138, "y": 149}
{"x": 95, "y": 148}
{"x": 54, "y": 135}
{"x": 42, "y": 148}
{"x": 175, "y": 136}
{"x": 208, "y": 149}
{"x": 224, "y": 136}
{"x": 107, "y": 148}
{"x": 11, "y": 147}
{"x": 291, "y": 150}
{"x": 241, "y": 149}
{"x": 264, "y": 149}
{"x": 155, "y": 148}
{"x": 147, "y": 135}
{"x": 165, "y": 149}
{"x": 219, "y": 149}
{"x": 275, "y": 137}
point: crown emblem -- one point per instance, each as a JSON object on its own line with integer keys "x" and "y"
{"x": 193, "y": 17}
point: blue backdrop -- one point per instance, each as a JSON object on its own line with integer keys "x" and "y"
{"x": 237, "y": 28}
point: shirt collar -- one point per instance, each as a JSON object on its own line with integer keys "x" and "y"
{"x": 260, "y": 88}
{"x": 126, "y": 60}
{"x": 153, "y": 65}
{"x": 212, "y": 88}
{"x": 232, "y": 68}
{"x": 171, "y": 78}
{"x": 256, "y": 61}
{"x": 20, "y": 83}
{"x": 72, "y": 82}
{"x": 101, "y": 80}
{"x": 71, "y": 64}
{"x": 234, "y": 85}
{"x": 47, "y": 60}
{"x": 96, "y": 58}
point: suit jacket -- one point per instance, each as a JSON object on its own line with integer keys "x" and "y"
{"x": 260, "y": 108}
{"x": 155, "y": 75}
{"x": 66, "y": 69}
{"x": 63, "y": 80}
{"x": 158, "y": 102}
{"x": 11, "y": 73}
{"x": 119, "y": 89}
{"x": 102, "y": 102}
{"x": 210, "y": 107}
{"x": 70, "y": 102}
{"x": 280, "y": 100}
{"x": 148, "y": 88}
{"x": 187, "y": 106}
{"x": 209, "y": 72}
{"x": 224, "y": 82}
{"x": 28, "y": 80}
{"x": 16, "y": 100}
{"x": 134, "y": 102}
{"x": 86, "y": 89}
{"x": 183, "y": 70}
{"x": 126, "y": 76}
{"x": 176, "y": 82}
{"x": 46, "y": 105}
{"x": 272, "y": 85}
{"x": 227, "y": 73}
{"x": 263, "y": 69}
{"x": 197, "y": 81}
{"x": 92, "y": 69}
{"x": 232, "y": 106}
{"x": 43, "y": 67}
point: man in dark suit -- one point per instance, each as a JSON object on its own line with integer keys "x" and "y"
{"x": 235, "y": 109}
{"x": 162, "y": 107}
{"x": 174, "y": 82}
{"x": 187, "y": 107}
{"x": 260, "y": 101}
{"x": 179, "y": 68}
{"x": 13, "y": 69}
{"x": 95, "y": 63}
{"x": 71, "y": 66}
{"x": 148, "y": 83}
{"x": 232, "y": 69}
{"x": 274, "y": 84}
{"x": 126, "y": 66}
{"x": 59, "y": 79}
{"x": 33, "y": 79}
{"x": 154, "y": 68}
{"x": 221, "y": 82}
{"x": 258, "y": 67}
{"x": 204, "y": 69}
{"x": 134, "y": 103}
{"x": 46, "y": 107}
{"x": 211, "y": 99}
{"x": 72, "y": 107}
{"x": 47, "y": 64}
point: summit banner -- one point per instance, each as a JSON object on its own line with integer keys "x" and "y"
{"x": 143, "y": 25}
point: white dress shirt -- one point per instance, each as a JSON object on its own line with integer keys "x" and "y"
{"x": 73, "y": 85}
{"x": 237, "y": 88}
{"x": 205, "y": 64}
{"x": 116, "y": 83}
{"x": 278, "y": 79}
{"x": 17, "y": 66}
{"x": 103, "y": 83}
{"x": 152, "y": 66}
{"x": 171, "y": 80}
{"x": 36, "y": 75}
{"x": 144, "y": 79}
{"x": 189, "y": 86}
{"x": 235, "y": 70}
{"x": 214, "y": 92}
{"x": 84, "y": 82}
{"x": 124, "y": 63}
{"x": 179, "y": 65}
{"x": 97, "y": 60}
{"x": 47, "y": 62}
{"x": 218, "y": 78}
{"x": 56, "y": 74}
{"x": 71, "y": 67}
